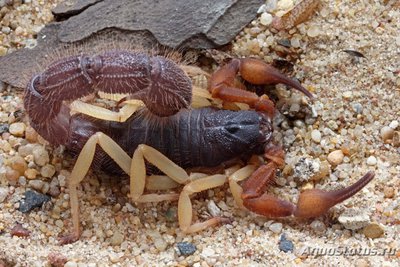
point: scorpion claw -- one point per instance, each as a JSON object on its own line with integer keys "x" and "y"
{"x": 257, "y": 72}
{"x": 222, "y": 83}
{"x": 315, "y": 202}
{"x": 311, "y": 203}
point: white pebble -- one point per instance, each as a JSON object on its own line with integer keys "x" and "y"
{"x": 71, "y": 264}
{"x": 17, "y": 129}
{"x": 313, "y": 31}
{"x": 371, "y": 161}
{"x": 3, "y": 193}
{"x": 335, "y": 157}
{"x": 398, "y": 41}
{"x": 276, "y": 228}
{"x": 213, "y": 209}
{"x": 285, "y": 4}
{"x": 295, "y": 42}
{"x": 318, "y": 226}
{"x": 207, "y": 252}
{"x": 347, "y": 95}
{"x": 316, "y": 136}
{"x": 353, "y": 219}
{"x": 394, "y": 125}
{"x": 266, "y": 19}
{"x": 114, "y": 257}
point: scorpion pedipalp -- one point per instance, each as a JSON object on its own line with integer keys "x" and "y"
{"x": 254, "y": 71}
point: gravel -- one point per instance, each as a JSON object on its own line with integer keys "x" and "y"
{"x": 355, "y": 99}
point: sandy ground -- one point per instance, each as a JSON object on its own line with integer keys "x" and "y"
{"x": 357, "y": 114}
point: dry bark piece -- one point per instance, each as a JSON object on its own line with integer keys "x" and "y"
{"x": 174, "y": 23}
{"x": 299, "y": 14}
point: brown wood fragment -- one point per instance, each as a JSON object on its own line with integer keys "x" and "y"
{"x": 300, "y": 13}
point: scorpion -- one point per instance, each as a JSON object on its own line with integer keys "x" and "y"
{"x": 168, "y": 133}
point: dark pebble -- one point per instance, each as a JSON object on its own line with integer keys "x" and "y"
{"x": 186, "y": 248}
{"x": 285, "y": 245}
{"x": 4, "y": 127}
{"x": 32, "y": 200}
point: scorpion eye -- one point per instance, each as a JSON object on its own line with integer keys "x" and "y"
{"x": 233, "y": 129}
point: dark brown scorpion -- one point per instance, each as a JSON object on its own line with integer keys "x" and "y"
{"x": 182, "y": 138}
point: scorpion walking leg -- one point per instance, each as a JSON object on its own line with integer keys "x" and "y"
{"x": 185, "y": 210}
{"x": 105, "y": 114}
{"x": 80, "y": 169}
{"x": 236, "y": 177}
{"x": 180, "y": 176}
{"x": 311, "y": 203}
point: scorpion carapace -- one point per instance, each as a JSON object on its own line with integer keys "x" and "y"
{"x": 202, "y": 137}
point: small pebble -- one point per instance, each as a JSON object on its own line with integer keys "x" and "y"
{"x": 394, "y": 125}
{"x": 318, "y": 226}
{"x": 114, "y": 257}
{"x": 347, "y": 95}
{"x": 266, "y": 19}
{"x": 4, "y": 127}
{"x": 352, "y": 219}
{"x": 295, "y": 42}
{"x": 32, "y": 200}
{"x": 40, "y": 155}
{"x": 214, "y": 210}
{"x": 396, "y": 139}
{"x": 373, "y": 230}
{"x": 313, "y": 31}
{"x": 316, "y": 136}
{"x": 48, "y": 171}
{"x": 31, "y": 135}
{"x": 388, "y": 191}
{"x": 17, "y": 129}
{"x": 276, "y": 228}
{"x": 186, "y": 248}
{"x": 208, "y": 252}
{"x": 285, "y": 245}
{"x": 31, "y": 173}
{"x": 20, "y": 231}
{"x": 158, "y": 240}
{"x": 12, "y": 176}
{"x": 285, "y": 4}
{"x": 116, "y": 239}
{"x": 36, "y": 184}
{"x": 71, "y": 264}
{"x": 56, "y": 259}
{"x": 335, "y": 157}
{"x": 371, "y": 161}
{"x": 19, "y": 164}
{"x": 362, "y": 263}
{"x": 3, "y": 194}
{"x": 387, "y": 133}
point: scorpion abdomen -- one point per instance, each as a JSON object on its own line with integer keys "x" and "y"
{"x": 201, "y": 137}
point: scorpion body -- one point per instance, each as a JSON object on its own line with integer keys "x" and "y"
{"x": 182, "y": 138}
{"x": 203, "y": 137}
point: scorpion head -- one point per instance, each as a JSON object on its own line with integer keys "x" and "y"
{"x": 244, "y": 132}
